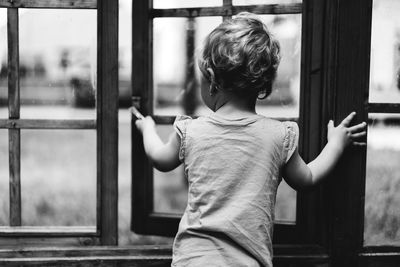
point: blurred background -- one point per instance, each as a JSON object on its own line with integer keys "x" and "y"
{"x": 58, "y": 51}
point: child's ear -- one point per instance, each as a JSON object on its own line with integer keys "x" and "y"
{"x": 213, "y": 86}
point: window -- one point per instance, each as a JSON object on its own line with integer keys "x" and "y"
{"x": 333, "y": 80}
{"x": 343, "y": 64}
{"x": 84, "y": 40}
{"x": 166, "y": 36}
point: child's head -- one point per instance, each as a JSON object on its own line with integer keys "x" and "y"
{"x": 242, "y": 55}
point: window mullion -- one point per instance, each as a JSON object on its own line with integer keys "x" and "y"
{"x": 67, "y": 4}
{"x": 107, "y": 121}
{"x": 383, "y": 108}
{"x": 227, "y": 3}
{"x": 14, "y": 108}
{"x": 227, "y": 10}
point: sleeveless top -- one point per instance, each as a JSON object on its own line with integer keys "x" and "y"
{"x": 233, "y": 171}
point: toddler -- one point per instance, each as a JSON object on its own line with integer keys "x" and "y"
{"x": 234, "y": 159}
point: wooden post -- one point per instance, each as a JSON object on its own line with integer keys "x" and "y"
{"x": 142, "y": 90}
{"x": 107, "y": 117}
{"x": 350, "y": 23}
{"x": 227, "y": 3}
{"x": 14, "y": 135}
{"x": 190, "y": 100}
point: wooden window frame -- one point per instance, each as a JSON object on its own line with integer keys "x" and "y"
{"x": 335, "y": 73}
{"x": 306, "y": 239}
{"x": 346, "y": 73}
{"x": 105, "y": 232}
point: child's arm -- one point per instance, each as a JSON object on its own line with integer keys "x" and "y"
{"x": 165, "y": 157}
{"x": 298, "y": 174}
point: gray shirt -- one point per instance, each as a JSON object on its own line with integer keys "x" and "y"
{"x": 233, "y": 168}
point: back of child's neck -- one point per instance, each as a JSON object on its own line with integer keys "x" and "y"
{"x": 236, "y": 109}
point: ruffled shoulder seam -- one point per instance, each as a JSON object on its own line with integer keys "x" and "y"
{"x": 180, "y": 126}
{"x": 291, "y": 139}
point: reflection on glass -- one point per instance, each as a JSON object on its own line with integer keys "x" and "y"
{"x": 284, "y": 99}
{"x": 185, "y": 3}
{"x": 58, "y": 52}
{"x": 170, "y": 188}
{"x": 4, "y": 178}
{"x": 385, "y": 52}
{"x": 58, "y": 173}
{"x": 263, "y": 2}
{"x": 3, "y": 64}
{"x": 382, "y": 198}
{"x": 175, "y": 72}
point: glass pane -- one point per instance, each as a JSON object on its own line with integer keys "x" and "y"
{"x": 185, "y": 3}
{"x": 58, "y": 173}
{"x": 175, "y": 72}
{"x": 382, "y": 199}
{"x": 4, "y": 178}
{"x": 171, "y": 44}
{"x": 285, "y": 207}
{"x": 125, "y": 52}
{"x": 385, "y": 52}
{"x": 3, "y": 64}
{"x": 170, "y": 188}
{"x": 284, "y": 99}
{"x": 263, "y": 2}
{"x": 58, "y": 53}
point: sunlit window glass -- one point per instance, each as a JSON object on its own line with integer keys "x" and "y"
{"x": 57, "y": 67}
{"x": 385, "y": 52}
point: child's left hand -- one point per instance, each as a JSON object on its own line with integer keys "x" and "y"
{"x": 344, "y": 135}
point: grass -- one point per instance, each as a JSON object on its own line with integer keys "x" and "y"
{"x": 382, "y": 198}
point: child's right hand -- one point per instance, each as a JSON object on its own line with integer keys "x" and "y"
{"x": 344, "y": 135}
{"x": 145, "y": 123}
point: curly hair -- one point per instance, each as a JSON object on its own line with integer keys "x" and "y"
{"x": 243, "y": 55}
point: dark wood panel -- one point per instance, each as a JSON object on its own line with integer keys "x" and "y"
{"x": 14, "y": 242}
{"x": 389, "y": 259}
{"x": 142, "y": 175}
{"x": 142, "y": 261}
{"x": 107, "y": 124}
{"x": 311, "y": 206}
{"x": 383, "y": 108}
{"x": 92, "y": 251}
{"x": 111, "y": 256}
{"x": 46, "y": 124}
{"x": 13, "y": 63}
{"x": 80, "y": 4}
{"x": 139, "y": 256}
{"x": 380, "y": 249}
{"x": 351, "y": 49}
{"x": 131, "y": 261}
{"x": 164, "y": 120}
{"x": 227, "y": 10}
{"x": 227, "y": 3}
{"x": 14, "y": 135}
{"x": 48, "y": 231}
